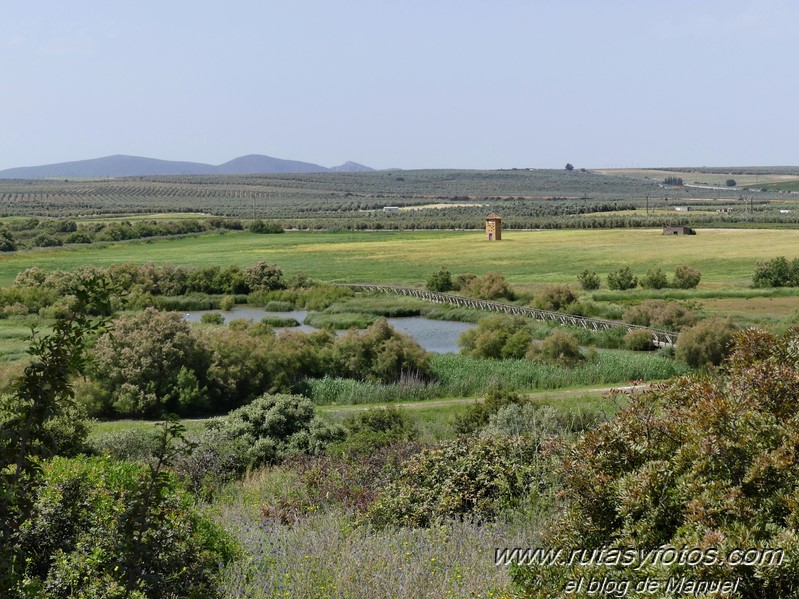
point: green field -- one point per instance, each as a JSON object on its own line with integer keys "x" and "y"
{"x": 725, "y": 257}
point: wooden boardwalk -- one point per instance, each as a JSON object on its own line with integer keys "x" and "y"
{"x": 659, "y": 336}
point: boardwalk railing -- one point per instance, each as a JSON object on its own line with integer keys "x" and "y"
{"x": 659, "y": 336}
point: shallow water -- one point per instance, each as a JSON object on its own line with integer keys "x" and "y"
{"x": 437, "y": 336}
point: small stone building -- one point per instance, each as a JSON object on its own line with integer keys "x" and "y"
{"x": 493, "y": 227}
{"x": 681, "y": 230}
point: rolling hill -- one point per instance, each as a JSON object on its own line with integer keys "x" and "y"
{"x": 137, "y": 166}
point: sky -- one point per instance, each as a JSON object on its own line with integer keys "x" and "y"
{"x": 411, "y": 84}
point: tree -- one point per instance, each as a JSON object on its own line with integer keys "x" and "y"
{"x": 139, "y": 359}
{"x": 731, "y": 183}
{"x": 7, "y": 243}
{"x": 569, "y": 166}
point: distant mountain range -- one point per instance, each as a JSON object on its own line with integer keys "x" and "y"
{"x": 137, "y": 166}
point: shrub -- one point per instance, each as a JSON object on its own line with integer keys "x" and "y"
{"x": 588, "y": 280}
{"x": 263, "y": 276}
{"x": 7, "y": 243}
{"x": 227, "y": 303}
{"x": 462, "y": 281}
{"x": 706, "y": 343}
{"x": 468, "y": 478}
{"x": 654, "y": 279}
{"x": 259, "y": 226}
{"x": 730, "y": 183}
{"x": 639, "y": 340}
{"x": 671, "y": 316}
{"x": 478, "y": 414}
{"x": 212, "y": 318}
{"x": 526, "y": 418}
{"x": 43, "y": 240}
{"x": 622, "y": 279}
{"x": 558, "y": 348}
{"x": 698, "y": 461}
{"x": 555, "y": 297}
{"x": 89, "y": 537}
{"x": 376, "y": 428}
{"x": 497, "y": 337}
{"x": 440, "y": 280}
{"x": 490, "y": 286}
{"x": 78, "y": 237}
{"x": 379, "y": 354}
{"x": 686, "y": 277}
{"x": 272, "y": 427}
{"x": 777, "y": 272}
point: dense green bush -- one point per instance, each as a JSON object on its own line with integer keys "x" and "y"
{"x": 639, "y": 340}
{"x": 707, "y": 343}
{"x": 660, "y": 314}
{"x": 7, "y": 243}
{"x": 588, "y": 280}
{"x": 272, "y": 427}
{"x": 654, "y": 279}
{"x": 147, "y": 362}
{"x": 561, "y": 348}
{"x": 88, "y": 537}
{"x": 686, "y": 277}
{"x": 379, "y": 354}
{"x": 212, "y": 318}
{"x": 259, "y": 226}
{"x": 478, "y": 414}
{"x": 622, "y": 279}
{"x": 498, "y": 337}
{"x": 700, "y": 461}
{"x": 468, "y": 478}
{"x": 375, "y": 428}
{"x": 777, "y": 272}
{"x": 490, "y": 286}
{"x": 554, "y": 297}
{"x": 440, "y": 280}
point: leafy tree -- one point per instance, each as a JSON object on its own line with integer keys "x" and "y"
{"x": 569, "y": 166}
{"x": 622, "y": 279}
{"x": 588, "y": 280}
{"x": 440, "y": 280}
{"x": 731, "y": 183}
{"x": 138, "y": 361}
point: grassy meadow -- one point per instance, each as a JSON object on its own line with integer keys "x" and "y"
{"x": 725, "y": 257}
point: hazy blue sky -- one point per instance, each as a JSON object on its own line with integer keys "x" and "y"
{"x": 410, "y": 84}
